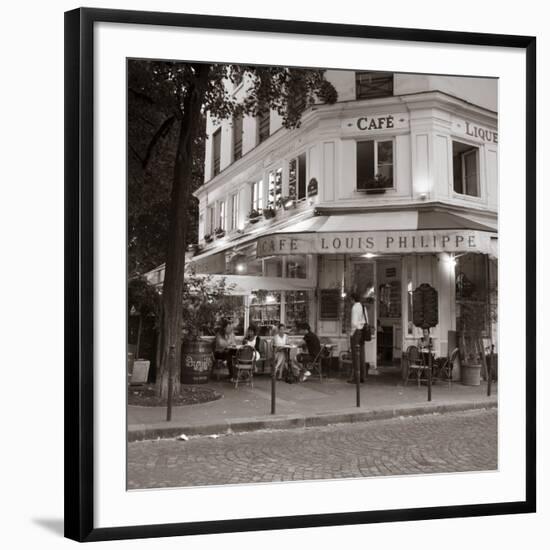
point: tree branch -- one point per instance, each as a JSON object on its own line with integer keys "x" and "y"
{"x": 160, "y": 133}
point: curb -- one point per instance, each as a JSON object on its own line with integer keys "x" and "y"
{"x": 142, "y": 432}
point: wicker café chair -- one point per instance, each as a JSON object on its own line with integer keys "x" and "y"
{"x": 244, "y": 366}
{"x": 415, "y": 364}
{"x": 445, "y": 371}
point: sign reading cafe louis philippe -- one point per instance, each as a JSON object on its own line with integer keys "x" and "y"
{"x": 380, "y": 242}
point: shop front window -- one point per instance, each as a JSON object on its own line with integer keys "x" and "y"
{"x": 374, "y": 165}
{"x": 296, "y": 267}
{"x": 296, "y": 310}
{"x": 472, "y": 296}
{"x": 466, "y": 169}
{"x": 273, "y": 267}
{"x": 237, "y": 319}
{"x": 265, "y": 311}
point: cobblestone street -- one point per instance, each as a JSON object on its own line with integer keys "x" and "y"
{"x": 454, "y": 442}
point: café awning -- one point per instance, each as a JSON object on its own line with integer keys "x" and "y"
{"x": 397, "y": 232}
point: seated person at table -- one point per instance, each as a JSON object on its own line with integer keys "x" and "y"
{"x": 253, "y": 340}
{"x": 425, "y": 343}
{"x": 225, "y": 349}
{"x": 280, "y": 346}
{"x": 311, "y": 346}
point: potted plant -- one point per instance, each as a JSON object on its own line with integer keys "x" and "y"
{"x": 377, "y": 185}
{"x": 254, "y": 216}
{"x": 206, "y": 302}
{"x": 472, "y": 323}
{"x": 208, "y": 238}
{"x": 269, "y": 212}
{"x": 219, "y": 232}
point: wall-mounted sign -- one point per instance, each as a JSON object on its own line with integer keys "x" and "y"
{"x": 475, "y": 131}
{"x": 370, "y": 123}
{"x": 425, "y": 306}
{"x": 376, "y": 242}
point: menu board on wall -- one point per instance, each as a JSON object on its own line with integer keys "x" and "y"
{"x": 329, "y": 304}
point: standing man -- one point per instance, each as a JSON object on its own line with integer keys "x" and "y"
{"x": 358, "y": 319}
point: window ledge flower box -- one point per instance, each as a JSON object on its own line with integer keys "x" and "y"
{"x": 375, "y": 190}
{"x": 219, "y": 233}
{"x": 269, "y": 213}
{"x": 208, "y": 238}
{"x": 377, "y": 185}
{"x": 254, "y": 216}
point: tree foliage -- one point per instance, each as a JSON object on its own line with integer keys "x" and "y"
{"x": 153, "y": 129}
{"x": 181, "y": 94}
{"x": 206, "y": 302}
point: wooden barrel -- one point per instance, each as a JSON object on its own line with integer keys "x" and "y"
{"x": 196, "y": 362}
{"x": 470, "y": 375}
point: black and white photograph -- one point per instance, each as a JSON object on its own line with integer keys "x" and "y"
{"x": 274, "y": 275}
{"x": 312, "y": 274}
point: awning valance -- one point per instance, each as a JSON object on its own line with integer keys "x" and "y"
{"x": 381, "y": 233}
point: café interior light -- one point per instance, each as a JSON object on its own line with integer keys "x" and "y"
{"x": 240, "y": 267}
{"x": 369, "y": 255}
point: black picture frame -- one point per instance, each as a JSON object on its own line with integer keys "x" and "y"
{"x": 79, "y": 265}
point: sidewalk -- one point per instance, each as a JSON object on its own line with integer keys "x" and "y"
{"x": 312, "y": 403}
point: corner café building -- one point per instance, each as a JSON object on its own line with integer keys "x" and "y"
{"x": 334, "y": 230}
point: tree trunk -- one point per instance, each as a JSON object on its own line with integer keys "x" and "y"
{"x": 138, "y": 340}
{"x": 170, "y": 323}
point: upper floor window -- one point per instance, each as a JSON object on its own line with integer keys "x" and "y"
{"x": 297, "y": 177}
{"x": 297, "y": 103}
{"x": 370, "y": 85}
{"x": 221, "y": 215}
{"x": 257, "y": 195}
{"x": 234, "y": 203}
{"x": 237, "y": 137}
{"x": 210, "y": 219}
{"x": 216, "y": 150}
{"x": 263, "y": 125}
{"x": 275, "y": 188}
{"x": 296, "y": 267}
{"x": 466, "y": 169}
{"x": 374, "y": 165}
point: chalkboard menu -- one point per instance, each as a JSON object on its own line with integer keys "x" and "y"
{"x": 425, "y": 306}
{"x": 329, "y": 304}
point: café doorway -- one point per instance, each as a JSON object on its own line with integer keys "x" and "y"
{"x": 389, "y": 327}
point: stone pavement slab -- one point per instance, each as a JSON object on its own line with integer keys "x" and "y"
{"x": 312, "y": 403}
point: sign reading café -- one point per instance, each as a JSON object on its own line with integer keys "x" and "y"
{"x": 376, "y": 242}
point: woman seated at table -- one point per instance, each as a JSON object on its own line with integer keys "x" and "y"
{"x": 253, "y": 340}
{"x": 282, "y": 350}
{"x": 425, "y": 345}
{"x": 225, "y": 347}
